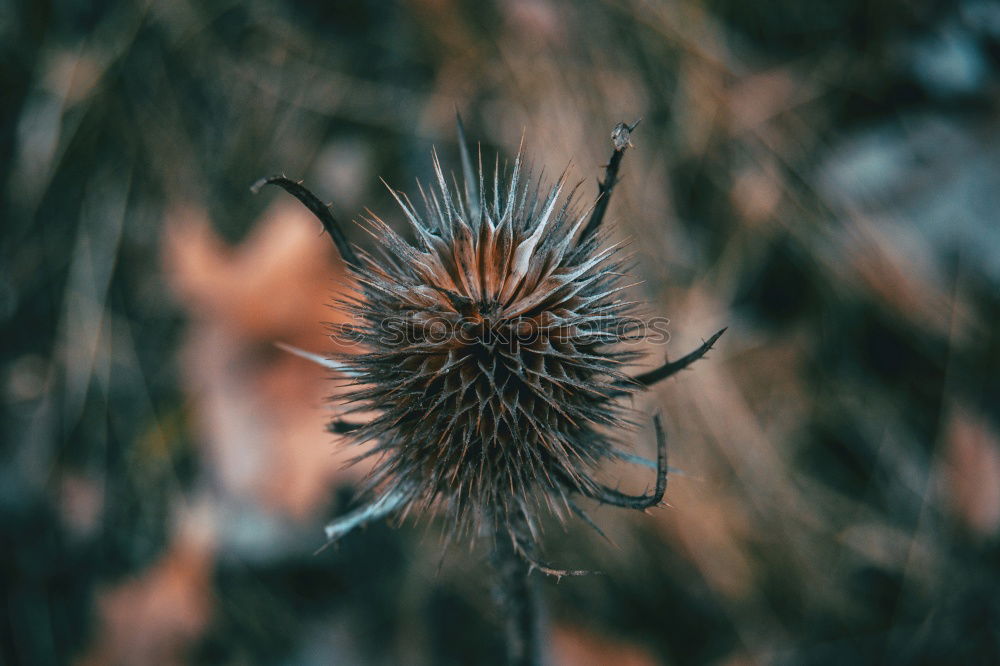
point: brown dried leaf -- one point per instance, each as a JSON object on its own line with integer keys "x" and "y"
{"x": 260, "y": 410}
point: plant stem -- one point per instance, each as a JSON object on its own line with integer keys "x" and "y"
{"x": 519, "y": 600}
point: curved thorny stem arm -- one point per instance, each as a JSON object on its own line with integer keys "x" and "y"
{"x": 667, "y": 369}
{"x": 607, "y": 495}
{"x": 621, "y": 139}
{"x": 647, "y": 379}
{"x": 319, "y": 209}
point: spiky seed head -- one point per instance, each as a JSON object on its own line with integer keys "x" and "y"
{"x": 491, "y": 350}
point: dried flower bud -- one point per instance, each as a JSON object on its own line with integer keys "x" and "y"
{"x": 492, "y": 351}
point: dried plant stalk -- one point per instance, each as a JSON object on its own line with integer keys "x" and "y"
{"x": 493, "y": 355}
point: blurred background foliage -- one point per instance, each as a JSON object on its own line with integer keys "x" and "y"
{"x": 821, "y": 177}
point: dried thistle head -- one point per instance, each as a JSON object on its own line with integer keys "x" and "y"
{"x": 493, "y": 351}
